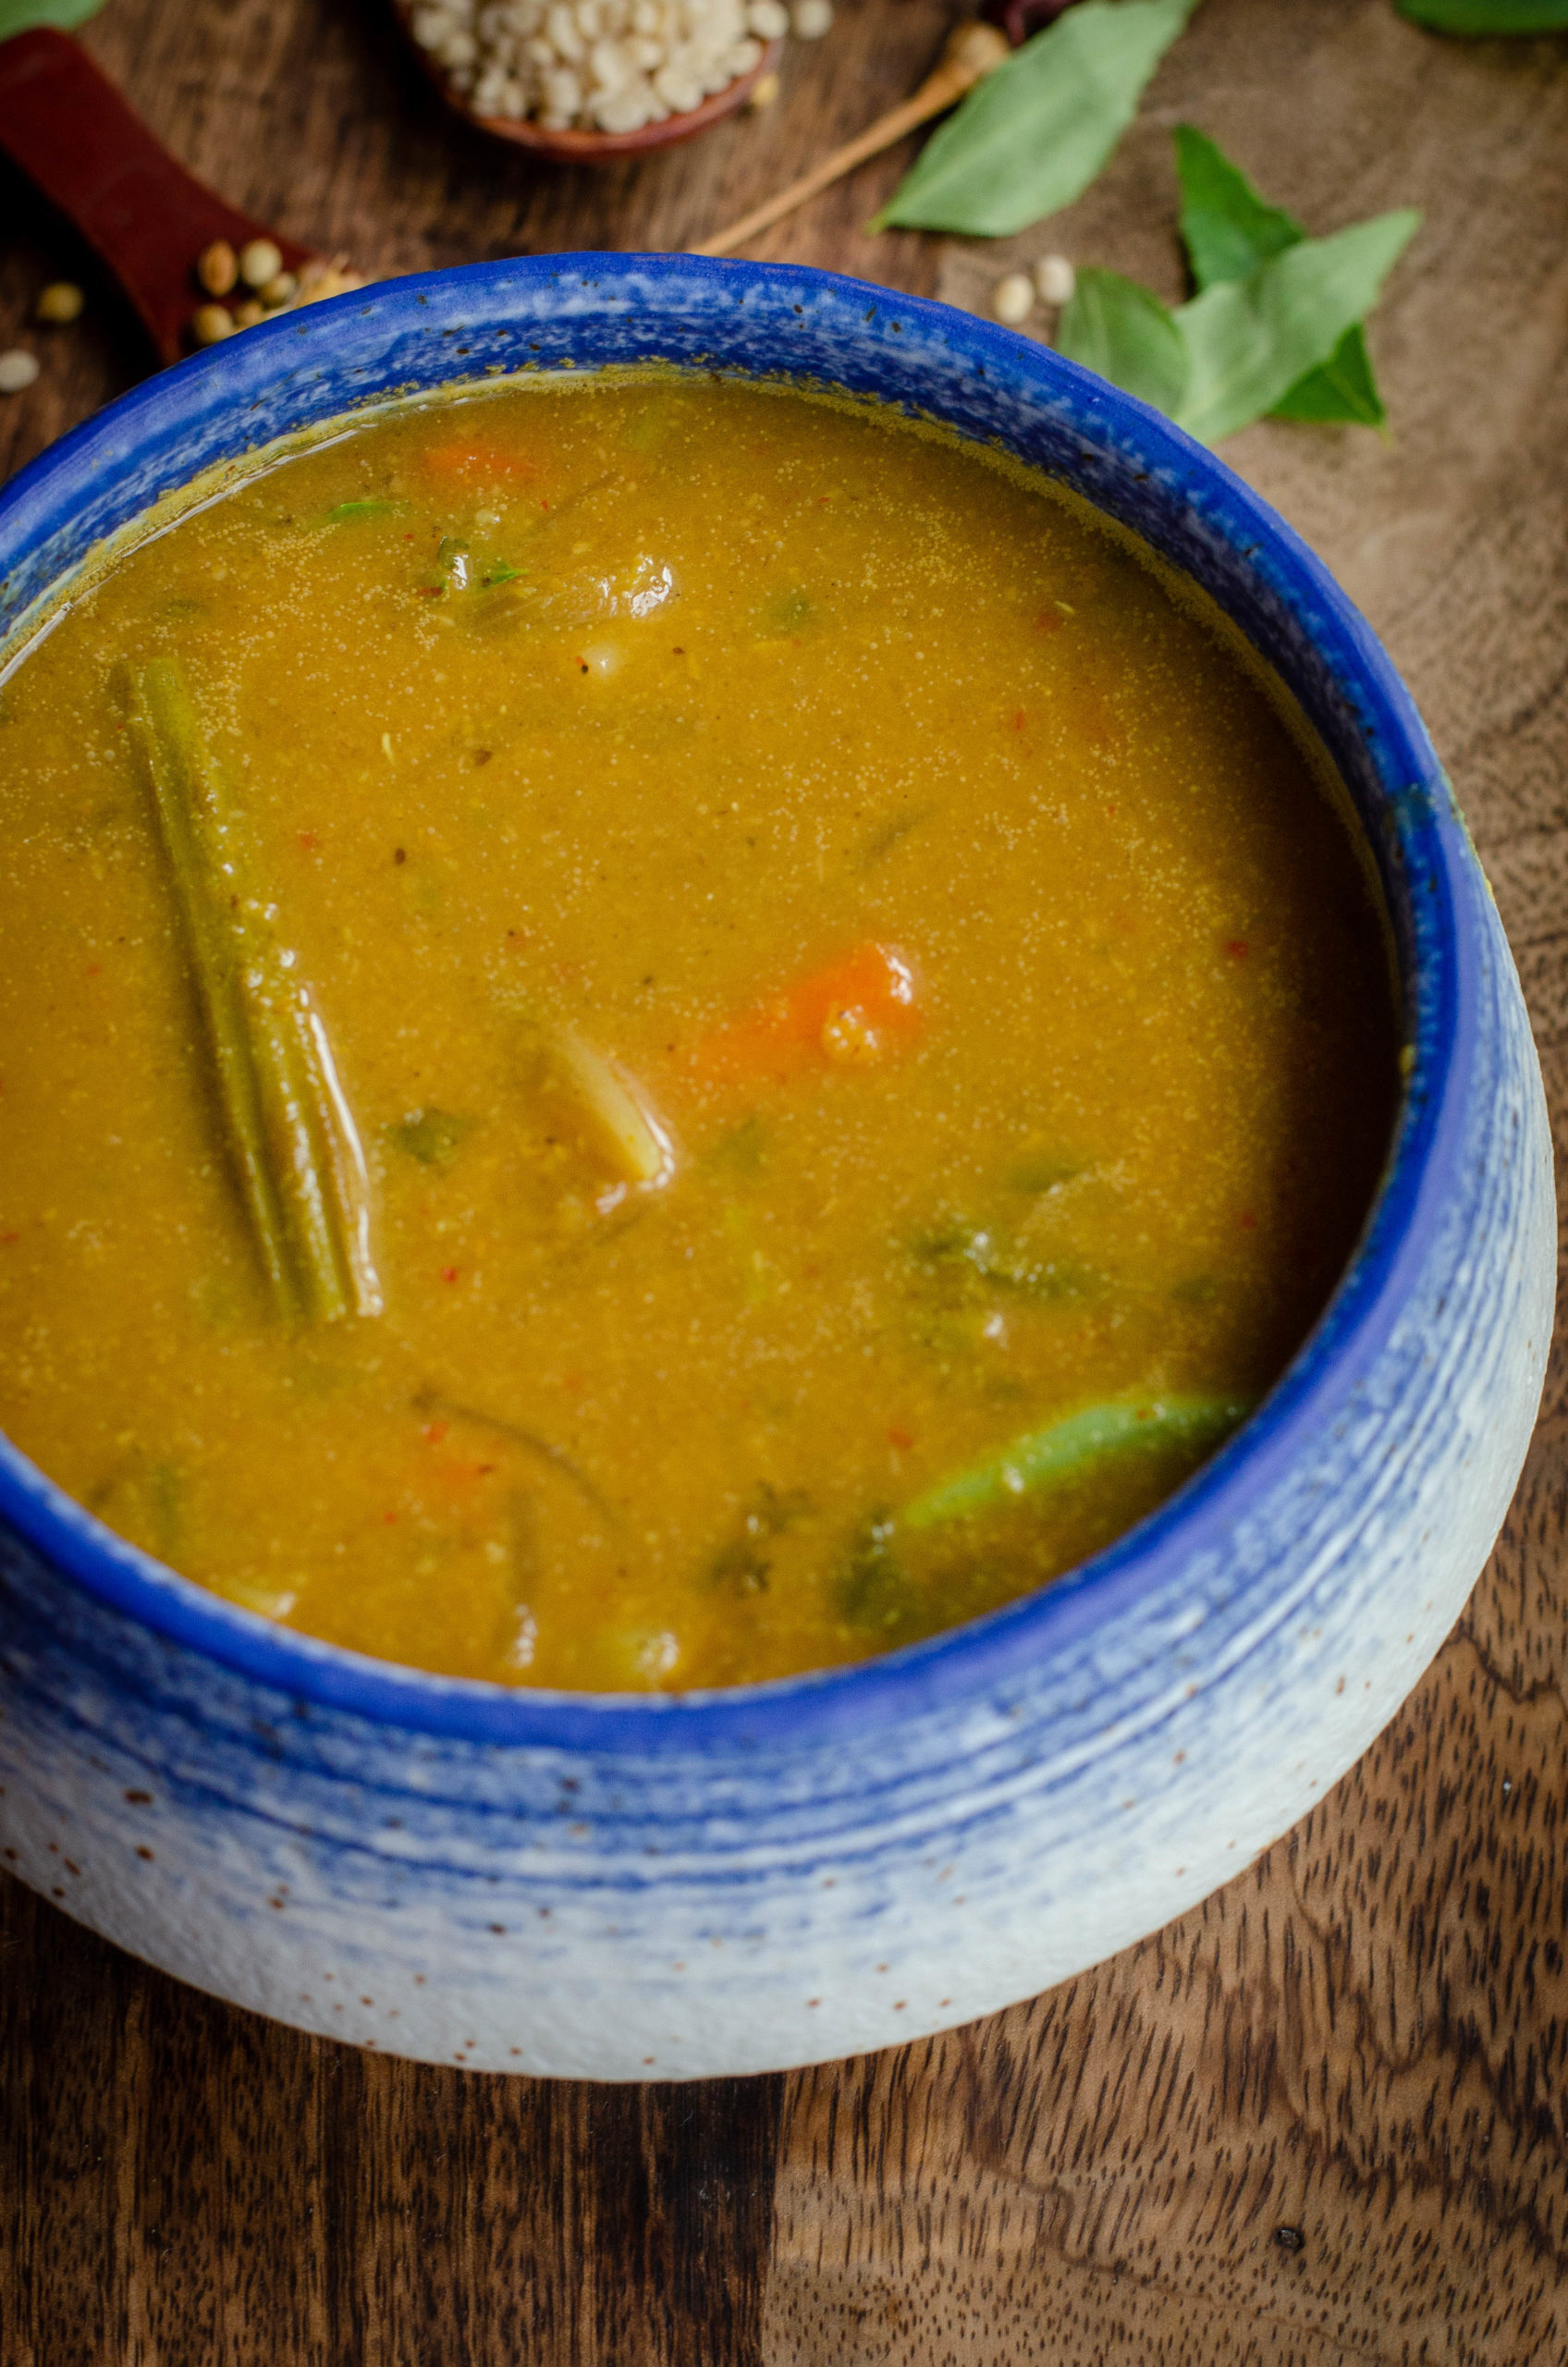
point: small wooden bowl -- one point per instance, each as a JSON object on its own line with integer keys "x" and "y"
{"x": 594, "y": 147}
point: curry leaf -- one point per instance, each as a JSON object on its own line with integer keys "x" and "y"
{"x": 1482, "y": 17}
{"x": 1123, "y": 331}
{"x": 1250, "y": 340}
{"x": 1228, "y": 230}
{"x": 21, "y": 15}
{"x": 1342, "y": 391}
{"x": 1032, "y": 136}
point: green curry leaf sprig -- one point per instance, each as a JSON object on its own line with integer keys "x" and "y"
{"x": 1274, "y": 324}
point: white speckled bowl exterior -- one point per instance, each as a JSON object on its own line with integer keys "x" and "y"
{"x": 631, "y": 1888}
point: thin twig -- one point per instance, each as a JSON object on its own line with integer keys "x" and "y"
{"x": 972, "y": 50}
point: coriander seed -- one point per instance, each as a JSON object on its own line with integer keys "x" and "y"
{"x": 61, "y": 302}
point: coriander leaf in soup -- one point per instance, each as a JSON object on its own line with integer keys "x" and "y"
{"x": 1481, "y": 17}
{"x": 1125, "y": 333}
{"x": 431, "y": 1136}
{"x": 1033, "y": 135}
{"x": 21, "y": 15}
{"x": 1250, "y": 340}
{"x": 1228, "y": 230}
{"x": 349, "y": 513}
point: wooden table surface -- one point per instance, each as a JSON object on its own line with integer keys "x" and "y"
{"x": 1323, "y": 2118}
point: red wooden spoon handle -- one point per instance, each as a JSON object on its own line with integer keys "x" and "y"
{"x": 66, "y": 125}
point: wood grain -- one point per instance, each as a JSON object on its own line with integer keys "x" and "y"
{"x": 1322, "y": 2119}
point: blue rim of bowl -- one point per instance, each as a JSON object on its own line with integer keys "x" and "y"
{"x": 984, "y": 1659}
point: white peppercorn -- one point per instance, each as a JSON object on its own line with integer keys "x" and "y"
{"x": 1056, "y": 280}
{"x": 260, "y": 261}
{"x": 211, "y": 323}
{"x": 18, "y": 370}
{"x": 1013, "y": 299}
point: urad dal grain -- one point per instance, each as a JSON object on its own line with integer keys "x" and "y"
{"x": 598, "y": 65}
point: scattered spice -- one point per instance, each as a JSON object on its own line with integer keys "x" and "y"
{"x": 1054, "y": 279}
{"x": 58, "y": 303}
{"x": 210, "y": 324}
{"x": 260, "y": 262}
{"x": 1013, "y": 299}
{"x": 217, "y": 268}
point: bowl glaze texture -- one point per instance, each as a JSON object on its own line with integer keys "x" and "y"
{"x": 628, "y": 1888}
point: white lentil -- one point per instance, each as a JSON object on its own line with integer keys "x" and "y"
{"x": 604, "y": 64}
{"x": 16, "y": 370}
{"x": 1056, "y": 280}
{"x": 1013, "y": 299}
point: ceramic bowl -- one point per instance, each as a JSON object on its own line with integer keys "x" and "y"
{"x": 570, "y": 147}
{"x": 630, "y": 1888}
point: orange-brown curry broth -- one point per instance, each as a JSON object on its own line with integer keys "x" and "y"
{"x": 898, "y": 694}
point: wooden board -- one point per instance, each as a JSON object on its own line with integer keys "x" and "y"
{"x": 1324, "y": 2118}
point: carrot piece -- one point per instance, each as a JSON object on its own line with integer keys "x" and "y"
{"x": 852, "y": 1013}
{"x": 464, "y": 459}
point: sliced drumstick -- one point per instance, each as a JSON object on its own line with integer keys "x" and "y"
{"x": 972, "y": 50}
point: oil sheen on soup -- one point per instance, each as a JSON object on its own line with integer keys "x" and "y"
{"x": 655, "y": 1032}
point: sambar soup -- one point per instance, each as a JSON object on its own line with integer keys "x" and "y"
{"x": 656, "y": 1032}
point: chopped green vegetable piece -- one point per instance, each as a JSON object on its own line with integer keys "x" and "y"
{"x": 348, "y": 511}
{"x": 296, "y": 1156}
{"x": 1033, "y": 135}
{"x": 1250, "y": 340}
{"x": 744, "y": 1563}
{"x": 1229, "y": 231}
{"x": 875, "y": 1593}
{"x": 892, "y": 834}
{"x": 789, "y": 611}
{"x": 1482, "y": 17}
{"x": 144, "y": 1499}
{"x": 430, "y": 1135}
{"x": 1064, "y": 1449}
{"x": 1124, "y": 332}
{"x": 1005, "y": 1262}
{"x": 1036, "y": 1173}
{"x": 501, "y": 572}
{"x": 740, "y": 1152}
